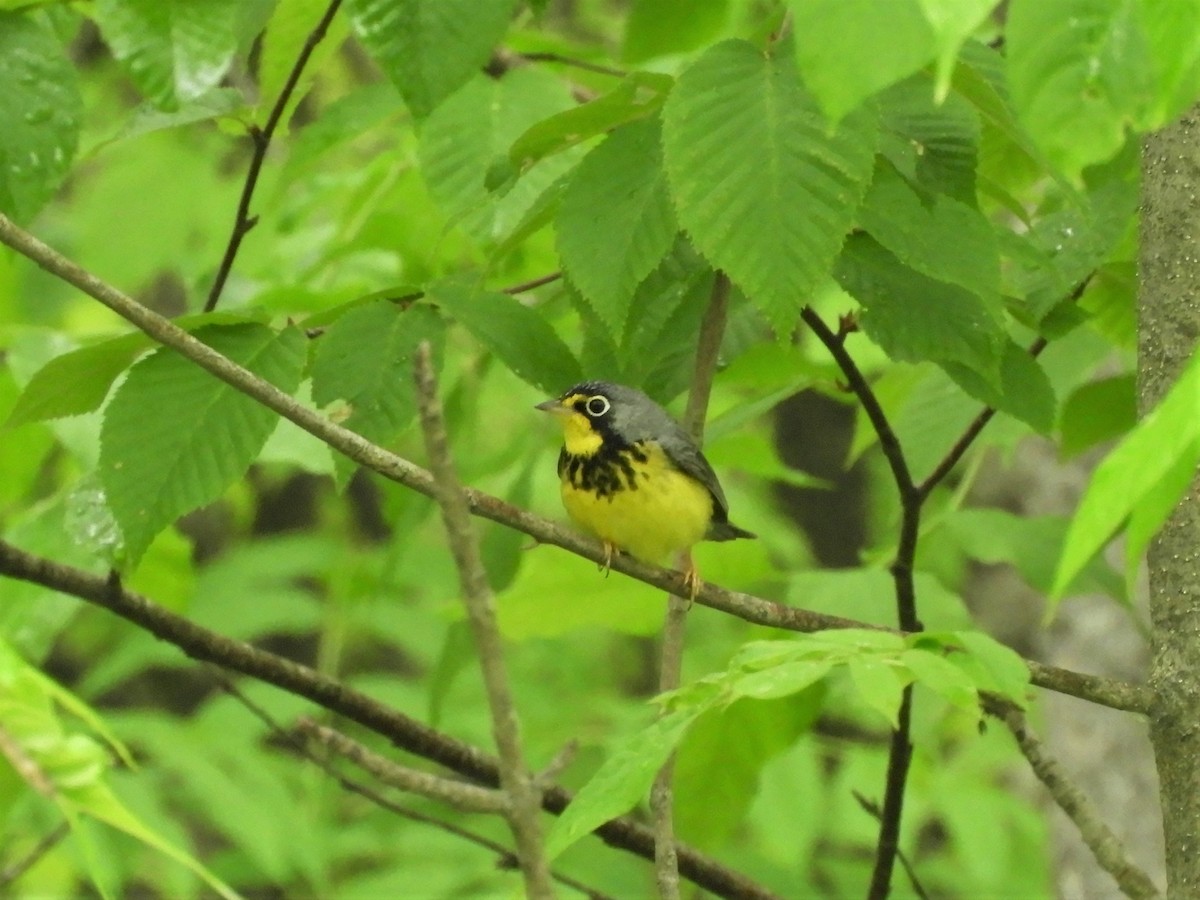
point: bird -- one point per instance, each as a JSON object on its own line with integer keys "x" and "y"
{"x": 633, "y": 477}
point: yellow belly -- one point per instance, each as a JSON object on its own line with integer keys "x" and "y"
{"x": 665, "y": 514}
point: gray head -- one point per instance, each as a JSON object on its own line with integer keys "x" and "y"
{"x": 620, "y": 412}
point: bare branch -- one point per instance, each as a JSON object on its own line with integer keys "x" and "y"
{"x": 459, "y": 794}
{"x": 1100, "y": 839}
{"x": 49, "y": 841}
{"x": 1105, "y": 691}
{"x": 243, "y": 222}
{"x": 515, "y": 779}
{"x": 209, "y": 646}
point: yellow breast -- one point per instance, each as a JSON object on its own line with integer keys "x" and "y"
{"x": 637, "y": 500}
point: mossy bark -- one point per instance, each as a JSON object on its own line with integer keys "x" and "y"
{"x": 1168, "y": 325}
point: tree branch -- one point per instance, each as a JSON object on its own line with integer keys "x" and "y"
{"x": 900, "y": 751}
{"x": 1100, "y": 839}
{"x": 243, "y": 222}
{"x": 459, "y": 794}
{"x": 523, "y": 796}
{"x": 209, "y": 646}
{"x": 1105, "y": 691}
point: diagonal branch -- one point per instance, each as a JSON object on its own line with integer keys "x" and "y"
{"x": 1100, "y": 839}
{"x": 1106, "y": 691}
{"x": 243, "y": 221}
{"x": 209, "y": 646}
{"x": 521, "y": 793}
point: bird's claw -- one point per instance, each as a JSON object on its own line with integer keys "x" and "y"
{"x": 610, "y": 550}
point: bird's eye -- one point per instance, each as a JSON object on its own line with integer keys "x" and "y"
{"x": 597, "y": 406}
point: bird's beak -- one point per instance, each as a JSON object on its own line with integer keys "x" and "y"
{"x": 554, "y": 407}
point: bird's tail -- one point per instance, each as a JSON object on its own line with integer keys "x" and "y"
{"x": 727, "y": 531}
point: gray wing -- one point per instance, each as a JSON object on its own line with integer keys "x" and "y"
{"x": 682, "y": 450}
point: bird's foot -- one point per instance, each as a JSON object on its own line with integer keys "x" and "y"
{"x": 691, "y": 578}
{"x": 610, "y": 551}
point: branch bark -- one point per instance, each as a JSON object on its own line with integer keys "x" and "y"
{"x": 524, "y": 801}
{"x": 1168, "y": 322}
{"x": 1106, "y": 691}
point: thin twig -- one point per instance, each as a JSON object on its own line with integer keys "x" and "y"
{"x": 49, "y": 841}
{"x": 872, "y": 808}
{"x": 900, "y": 751}
{"x": 506, "y": 859}
{"x": 459, "y": 794}
{"x": 1100, "y": 839}
{"x": 524, "y": 801}
{"x": 417, "y": 738}
{"x": 1105, "y": 691}
{"x": 532, "y": 283}
{"x": 261, "y": 137}
{"x": 662, "y": 801}
{"x": 573, "y": 63}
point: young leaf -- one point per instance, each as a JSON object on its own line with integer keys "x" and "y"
{"x": 993, "y": 666}
{"x": 429, "y": 48}
{"x": 621, "y": 781}
{"x": 522, "y": 339}
{"x": 879, "y": 684}
{"x": 40, "y": 111}
{"x": 1165, "y": 440}
{"x": 942, "y": 677}
{"x": 1024, "y": 393}
{"x": 765, "y": 189}
{"x": 174, "y": 437}
{"x": 1096, "y": 412}
{"x": 616, "y": 221}
{"x": 173, "y": 50}
{"x": 76, "y": 382}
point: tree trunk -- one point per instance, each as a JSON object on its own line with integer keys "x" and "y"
{"x": 1168, "y": 325}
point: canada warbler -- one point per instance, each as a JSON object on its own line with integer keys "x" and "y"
{"x": 634, "y": 478}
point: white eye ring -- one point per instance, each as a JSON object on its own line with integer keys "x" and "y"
{"x": 597, "y": 406}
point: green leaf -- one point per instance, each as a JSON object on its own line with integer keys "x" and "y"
{"x": 942, "y": 677}
{"x": 661, "y": 27}
{"x": 1079, "y": 72}
{"x": 365, "y": 360}
{"x": 848, "y": 50}
{"x": 762, "y": 185}
{"x": 1024, "y": 393}
{"x": 621, "y": 781}
{"x": 616, "y": 222}
{"x": 290, "y": 25}
{"x": 429, "y": 48}
{"x": 76, "y": 382}
{"x": 637, "y": 97}
{"x": 1152, "y": 510}
{"x": 879, "y": 683}
{"x": 934, "y": 145}
{"x": 518, "y": 334}
{"x": 173, "y": 50}
{"x": 789, "y": 677}
{"x": 1174, "y": 51}
{"x": 463, "y": 139}
{"x": 1130, "y": 476}
{"x": 934, "y": 235}
{"x": 40, "y": 111}
{"x": 202, "y": 434}
{"x": 1098, "y": 411}
{"x": 993, "y": 666}
{"x": 914, "y": 317}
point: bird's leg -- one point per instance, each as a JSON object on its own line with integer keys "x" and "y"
{"x": 691, "y": 578}
{"x": 610, "y": 550}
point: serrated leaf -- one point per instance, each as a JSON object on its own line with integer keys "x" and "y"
{"x": 519, "y": 336}
{"x": 76, "y": 382}
{"x": 762, "y": 185}
{"x": 200, "y": 435}
{"x": 1165, "y": 440}
{"x": 429, "y": 48}
{"x": 914, "y": 317}
{"x": 40, "y": 110}
{"x": 638, "y": 96}
{"x": 935, "y": 145}
{"x": 173, "y": 50}
{"x": 1098, "y": 411}
{"x": 622, "y": 780}
{"x": 616, "y": 222}
{"x": 365, "y": 360}
{"x": 933, "y": 234}
{"x": 465, "y": 136}
{"x": 1079, "y": 72}
{"x": 1024, "y": 392}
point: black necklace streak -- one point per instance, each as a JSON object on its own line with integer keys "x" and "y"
{"x": 602, "y": 472}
